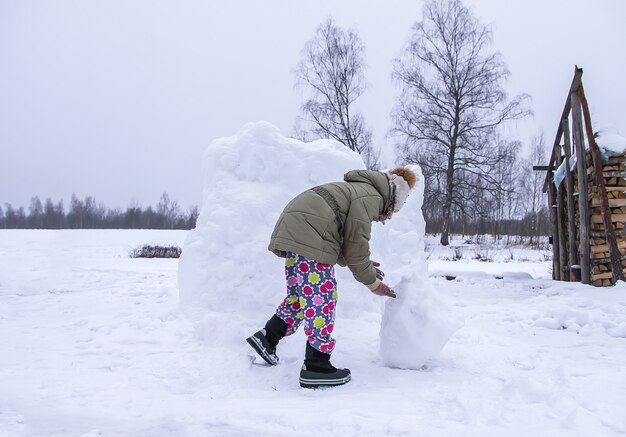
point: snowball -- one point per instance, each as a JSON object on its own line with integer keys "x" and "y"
{"x": 415, "y": 326}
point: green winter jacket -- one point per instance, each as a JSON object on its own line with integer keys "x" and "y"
{"x": 309, "y": 225}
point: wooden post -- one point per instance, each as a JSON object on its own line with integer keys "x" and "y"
{"x": 560, "y": 190}
{"x": 572, "y": 253}
{"x": 578, "y": 74}
{"x": 609, "y": 230}
{"x": 556, "y": 267}
{"x": 583, "y": 200}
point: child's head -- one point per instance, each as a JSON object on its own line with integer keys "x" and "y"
{"x": 402, "y": 181}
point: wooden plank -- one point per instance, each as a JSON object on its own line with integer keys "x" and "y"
{"x": 597, "y": 261}
{"x": 616, "y": 266}
{"x": 601, "y": 234}
{"x": 614, "y": 174}
{"x": 613, "y": 203}
{"x": 560, "y": 220}
{"x": 572, "y": 252}
{"x": 614, "y": 219}
{"x": 620, "y": 159}
{"x": 556, "y": 265}
{"x": 583, "y": 202}
{"x": 605, "y": 275}
{"x": 578, "y": 74}
{"x": 605, "y": 247}
{"x": 615, "y": 188}
{"x": 609, "y": 173}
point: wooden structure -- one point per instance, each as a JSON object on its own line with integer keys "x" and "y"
{"x": 586, "y": 199}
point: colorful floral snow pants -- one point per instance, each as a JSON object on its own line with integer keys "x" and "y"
{"x": 311, "y": 298}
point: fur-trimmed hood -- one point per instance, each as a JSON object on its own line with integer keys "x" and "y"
{"x": 401, "y": 181}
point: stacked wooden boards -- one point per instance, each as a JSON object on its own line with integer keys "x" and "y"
{"x": 614, "y": 172}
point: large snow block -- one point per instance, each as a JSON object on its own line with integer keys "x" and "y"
{"x": 228, "y": 280}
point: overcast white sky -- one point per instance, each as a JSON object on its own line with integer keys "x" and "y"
{"x": 118, "y": 99}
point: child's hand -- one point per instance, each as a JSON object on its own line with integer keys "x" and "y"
{"x": 379, "y": 273}
{"x": 384, "y": 290}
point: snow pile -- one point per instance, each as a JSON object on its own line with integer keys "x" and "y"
{"x": 585, "y": 317}
{"x": 230, "y": 283}
{"x": 609, "y": 139}
{"x": 417, "y": 324}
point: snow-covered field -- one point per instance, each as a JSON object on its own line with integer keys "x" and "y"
{"x": 480, "y": 256}
{"x": 93, "y": 343}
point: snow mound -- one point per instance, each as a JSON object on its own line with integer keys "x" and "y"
{"x": 586, "y": 317}
{"x": 609, "y": 139}
{"x": 415, "y": 326}
{"x": 227, "y": 278}
{"x": 418, "y": 323}
{"x": 229, "y": 282}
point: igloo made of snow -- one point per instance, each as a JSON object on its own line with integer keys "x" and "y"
{"x": 229, "y": 282}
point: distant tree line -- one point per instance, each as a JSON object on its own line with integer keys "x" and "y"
{"x": 89, "y": 214}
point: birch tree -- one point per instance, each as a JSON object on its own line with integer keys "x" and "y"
{"x": 452, "y": 100}
{"x": 532, "y": 186}
{"x": 332, "y": 71}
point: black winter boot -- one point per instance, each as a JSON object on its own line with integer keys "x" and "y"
{"x": 318, "y": 372}
{"x": 276, "y": 329}
{"x": 264, "y": 342}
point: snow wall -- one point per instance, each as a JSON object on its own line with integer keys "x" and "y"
{"x": 230, "y": 284}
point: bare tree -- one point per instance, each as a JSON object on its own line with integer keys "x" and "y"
{"x": 505, "y": 204}
{"x": 532, "y": 186}
{"x": 192, "y": 217}
{"x": 132, "y": 216}
{"x": 168, "y": 210}
{"x": 452, "y": 101}
{"x": 35, "y": 213}
{"x": 14, "y": 218}
{"x": 92, "y": 212}
{"x": 54, "y": 215}
{"x": 76, "y": 214}
{"x": 332, "y": 69}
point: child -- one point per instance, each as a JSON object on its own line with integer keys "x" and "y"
{"x": 326, "y": 225}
